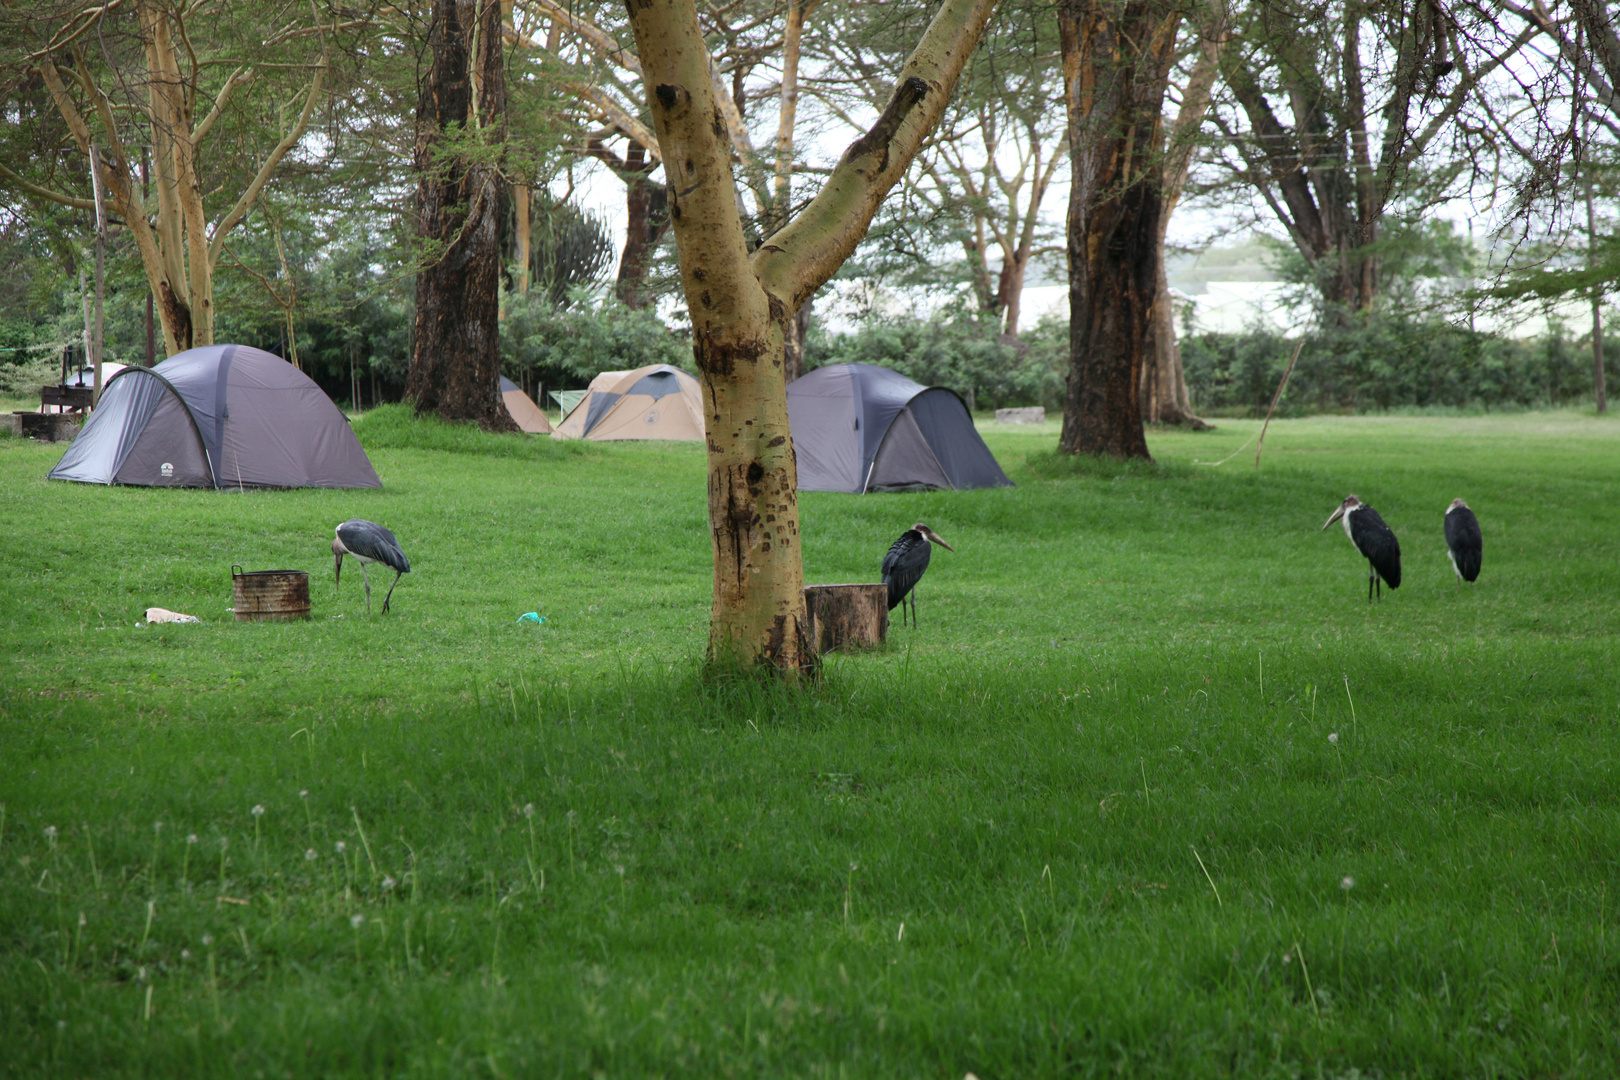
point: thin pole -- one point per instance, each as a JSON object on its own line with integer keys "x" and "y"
{"x": 101, "y": 272}
{"x": 146, "y": 193}
{"x": 1276, "y": 398}
{"x": 1598, "y": 390}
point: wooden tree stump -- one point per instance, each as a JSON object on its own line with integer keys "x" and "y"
{"x": 847, "y": 615}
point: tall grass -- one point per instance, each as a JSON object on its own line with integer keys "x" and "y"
{"x": 1152, "y": 791}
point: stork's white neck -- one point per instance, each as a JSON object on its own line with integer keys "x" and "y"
{"x": 1346, "y": 522}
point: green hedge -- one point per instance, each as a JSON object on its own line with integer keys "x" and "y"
{"x": 1386, "y": 363}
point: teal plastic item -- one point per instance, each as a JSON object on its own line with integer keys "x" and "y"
{"x": 531, "y": 616}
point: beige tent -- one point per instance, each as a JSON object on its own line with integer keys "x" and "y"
{"x": 656, "y": 402}
{"x": 523, "y": 409}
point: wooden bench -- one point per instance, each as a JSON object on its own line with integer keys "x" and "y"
{"x": 72, "y": 398}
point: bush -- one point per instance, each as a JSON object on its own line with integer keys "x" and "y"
{"x": 557, "y": 345}
{"x": 1384, "y": 362}
{"x": 964, "y": 353}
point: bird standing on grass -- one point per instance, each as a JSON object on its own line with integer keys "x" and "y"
{"x": 905, "y": 563}
{"x": 369, "y": 542}
{"x": 1375, "y": 540}
{"x": 1464, "y": 543}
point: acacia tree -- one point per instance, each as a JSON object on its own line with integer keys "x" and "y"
{"x": 1116, "y": 64}
{"x": 584, "y": 51}
{"x": 455, "y": 343}
{"x": 741, "y": 303}
{"x": 183, "y": 117}
{"x": 1582, "y": 82}
{"x": 1368, "y": 87}
{"x": 982, "y": 176}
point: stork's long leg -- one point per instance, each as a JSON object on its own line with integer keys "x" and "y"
{"x": 397, "y": 575}
{"x": 367, "y": 579}
{"x": 1372, "y": 578}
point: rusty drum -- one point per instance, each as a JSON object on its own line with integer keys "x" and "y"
{"x": 270, "y": 595}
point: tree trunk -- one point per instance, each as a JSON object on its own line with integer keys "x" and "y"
{"x": 1010, "y": 294}
{"x": 1116, "y": 61}
{"x": 522, "y": 200}
{"x": 797, "y": 330}
{"x": 741, "y": 305}
{"x": 455, "y": 356}
{"x": 1164, "y": 383}
{"x": 646, "y": 208}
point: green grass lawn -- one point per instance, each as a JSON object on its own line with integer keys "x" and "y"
{"x": 1153, "y": 791}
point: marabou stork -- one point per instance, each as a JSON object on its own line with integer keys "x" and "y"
{"x": 369, "y": 542}
{"x": 1464, "y": 543}
{"x": 1375, "y": 540}
{"x": 905, "y": 563}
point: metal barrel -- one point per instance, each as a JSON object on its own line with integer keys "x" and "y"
{"x": 270, "y": 595}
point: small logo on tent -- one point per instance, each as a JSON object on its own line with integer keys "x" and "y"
{"x": 652, "y": 416}
{"x": 168, "y": 469}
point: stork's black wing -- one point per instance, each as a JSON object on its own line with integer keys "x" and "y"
{"x": 1466, "y": 542}
{"x": 373, "y": 541}
{"x": 1377, "y": 542}
{"x": 904, "y": 564}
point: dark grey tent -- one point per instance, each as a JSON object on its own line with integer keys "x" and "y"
{"x": 220, "y": 416}
{"x": 860, "y": 427}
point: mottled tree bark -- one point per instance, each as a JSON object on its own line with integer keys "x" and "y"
{"x": 1116, "y": 61}
{"x": 455, "y": 355}
{"x": 741, "y": 305}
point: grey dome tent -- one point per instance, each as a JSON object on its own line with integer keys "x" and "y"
{"x": 219, "y": 416}
{"x": 861, "y": 427}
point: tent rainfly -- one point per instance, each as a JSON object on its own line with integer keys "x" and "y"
{"x": 655, "y": 402}
{"x": 861, "y": 427}
{"x": 219, "y": 416}
{"x": 524, "y": 411}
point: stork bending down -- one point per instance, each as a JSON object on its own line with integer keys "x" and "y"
{"x": 1464, "y": 544}
{"x": 369, "y": 542}
{"x": 1375, "y": 540}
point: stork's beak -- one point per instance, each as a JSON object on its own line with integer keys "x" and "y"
{"x": 1337, "y": 514}
{"x": 337, "y": 573}
{"x": 936, "y": 538}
